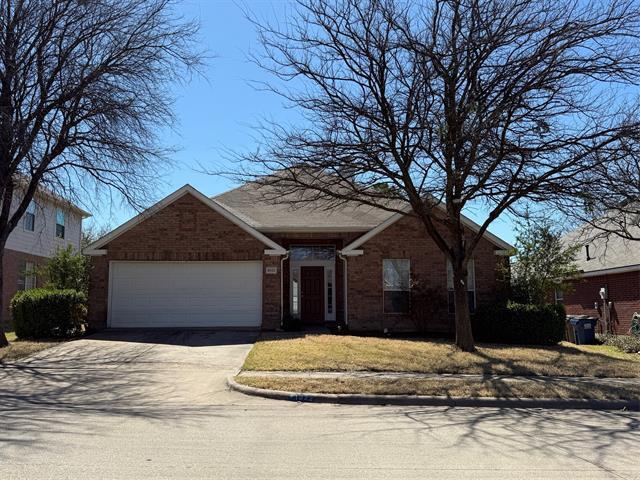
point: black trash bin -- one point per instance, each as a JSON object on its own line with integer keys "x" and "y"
{"x": 584, "y": 329}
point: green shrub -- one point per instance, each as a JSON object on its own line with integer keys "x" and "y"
{"x": 291, "y": 324}
{"x": 43, "y": 313}
{"x": 624, "y": 343}
{"x": 519, "y": 323}
{"x": 66, "y": 270}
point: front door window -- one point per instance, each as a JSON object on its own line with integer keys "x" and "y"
{"x": 313, "y": 252}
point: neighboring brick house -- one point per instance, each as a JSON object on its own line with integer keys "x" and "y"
{"x": 48, "y": 224}
{"x": 609, "y": 283}
{"x": 236, "y": 260}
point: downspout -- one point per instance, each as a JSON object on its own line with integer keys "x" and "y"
{"x": 346, "y": 310}
{"x": 282, "y": 260}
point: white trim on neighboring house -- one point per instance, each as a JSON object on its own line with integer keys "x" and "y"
{"x": 350, "y": 249}
{"x": 55, "y": 199}
{"x": 96, "y": 247}
{"x": 610, "y": 271}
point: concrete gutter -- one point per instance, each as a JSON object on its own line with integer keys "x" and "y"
{"x": 418, "y": 400}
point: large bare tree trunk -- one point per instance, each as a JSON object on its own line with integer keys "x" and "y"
{"x": 464, "y": 334}
{"x": 3, "y": 338}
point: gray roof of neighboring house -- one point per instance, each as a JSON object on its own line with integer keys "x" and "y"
{"x": 604, "y": 253}
{"x": 255, "y": 205}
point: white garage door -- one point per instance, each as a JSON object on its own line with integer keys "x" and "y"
{"x": 185, "y": 294}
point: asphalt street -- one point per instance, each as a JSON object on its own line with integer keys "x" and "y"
{"x": 155, "y": 405}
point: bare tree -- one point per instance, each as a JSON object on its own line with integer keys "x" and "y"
{"x": 500, "y": 105}
{"x": 83, "y": 96}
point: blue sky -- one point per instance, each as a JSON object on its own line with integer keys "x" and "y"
{"x": 218, "y": 112}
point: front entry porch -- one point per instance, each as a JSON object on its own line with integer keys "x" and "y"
{"x": 311, "y": 285}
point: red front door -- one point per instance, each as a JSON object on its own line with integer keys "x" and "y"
{"x": 312, "y": 295}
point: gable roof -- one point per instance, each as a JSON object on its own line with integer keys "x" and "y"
{"x": 246, "y": 207}
{"x": 257, "y": 206}
{"x": 606, "y": 255}
{"x": 351, "y": 249}
{"x": 44, "y": 193}
{"x": 95, "y": 247}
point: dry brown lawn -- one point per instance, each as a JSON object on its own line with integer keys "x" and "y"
{"x": 353, "y": 353}
{"x": 23, "y": 348}
{"x": 521, "y": 388}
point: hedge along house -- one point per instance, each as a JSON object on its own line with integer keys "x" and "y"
{"x": 608, "y": 286}
{"x": 237, "y": 261}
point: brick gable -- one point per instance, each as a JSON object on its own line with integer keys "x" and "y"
{"x": 407, "y": 239}
{"x": 185, "y": 230}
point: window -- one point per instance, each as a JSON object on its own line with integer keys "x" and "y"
{"x": 329, "y": 291}
{"x": 471, "y": 287}
{"x": 316, "y": 252}
{"x": 295, "y": 292}
{"x": 559, "y": 295}
{"x": 60, "y": 219}
{"x": 27, "y": 278}
{"x": 30, "y": 217}
{"x": 396, "y": 285}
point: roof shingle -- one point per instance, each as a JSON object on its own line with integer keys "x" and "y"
{"x": 255, "y": 206}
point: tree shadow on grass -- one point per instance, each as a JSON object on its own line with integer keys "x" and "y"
{"x": 554, "y": 360}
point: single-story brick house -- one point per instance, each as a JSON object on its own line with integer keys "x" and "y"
{"x": 608, "y": 286}
{"x": 235, "y": 260}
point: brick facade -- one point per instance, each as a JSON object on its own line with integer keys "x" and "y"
{"x": 13, "y": 264}
{"x": 624, "y": 293}
{"x": 189, "y": 230}
{"x": 407, "y": 239}
{"x": 185, "y": 230}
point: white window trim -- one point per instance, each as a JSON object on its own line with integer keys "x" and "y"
{"x": 384, "y": 289}
{"x": 558, "y": 298}
{"x": 63, "y": 224}
{"x": 30, "y": 280}
{"x": 33, "y": 205}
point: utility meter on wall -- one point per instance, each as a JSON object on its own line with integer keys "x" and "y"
{"x": 603, "y": 293}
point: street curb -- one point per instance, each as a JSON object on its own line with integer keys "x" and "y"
{"x": 424, "y": 401}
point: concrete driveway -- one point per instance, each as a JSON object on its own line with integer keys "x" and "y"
{"x": 155, "y": 405}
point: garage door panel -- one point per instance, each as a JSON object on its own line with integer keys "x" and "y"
{"x": 189, "y": 294}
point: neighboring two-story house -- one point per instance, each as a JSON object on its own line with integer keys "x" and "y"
{"x": 48, "y": 224}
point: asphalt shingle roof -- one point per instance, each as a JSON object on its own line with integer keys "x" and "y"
{"x": 256, "y": 207}
{"x": 604, "y": 253}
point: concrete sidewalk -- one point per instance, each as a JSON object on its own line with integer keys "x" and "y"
{"x": 505, "y": 401}
{"x": 612, "y": 382}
